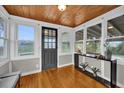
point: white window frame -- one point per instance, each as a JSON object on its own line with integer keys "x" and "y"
{"x": 17, "y": 57}
{"x": 69, "y": 52}
{"x": 114, "y": 37}
{"x": 93, "y": 40}
{"x": 79, "y": 41}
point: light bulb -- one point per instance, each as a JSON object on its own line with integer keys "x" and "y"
{"x": 61, "y": 7}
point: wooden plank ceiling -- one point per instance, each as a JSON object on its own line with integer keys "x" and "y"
{"x": 74, "y": 15}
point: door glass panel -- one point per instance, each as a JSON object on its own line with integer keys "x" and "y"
{"x": 50, "y": 39}
{"x": 50, "y": 32}
{"x": 54, "y": 33}
{"x": 50, "y": 45}
{"x": 46, "y": 32}
{"x": 46, "y": 45}
{"x": 54, "y": 45}
{"x": 46, "y": 39}
{"x": 54, "y": 39}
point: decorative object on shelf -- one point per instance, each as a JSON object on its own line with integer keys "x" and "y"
{"x": 61, "y": 7}
{"x": 78, "y": 51}
{"x": 100, "y": 57}
{"x": 84, "y": 65}
{"x": 95, "y": 70}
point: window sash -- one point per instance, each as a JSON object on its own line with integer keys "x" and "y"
{"x": 17, "y": 42}
{"x": 5, "y": 49}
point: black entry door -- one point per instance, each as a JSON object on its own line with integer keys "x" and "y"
{"x": 49, "y": 48}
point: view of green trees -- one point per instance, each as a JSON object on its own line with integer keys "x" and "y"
{"x": 93, "y": 47}
{"x": 116, "y": 47}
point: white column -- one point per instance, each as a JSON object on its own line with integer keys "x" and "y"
{"x": 103, "y": 37}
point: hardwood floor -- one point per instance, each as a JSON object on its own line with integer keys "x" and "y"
{"x": 65, "y": 77}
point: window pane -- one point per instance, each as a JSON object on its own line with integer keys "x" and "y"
{"x": 25, "y": 40}
{"x": 65, "y": 37}
{"x": 2, "y": 30}
{"x": 1, "y": 47}
{"x": 93, "y": 47}
{"x": 117, "y": 48}
{"x": 65, "y": 42}
{"x": 65, "y": 47}
{"x": 94, "y": 32}
{"x": 79, "y": 35}
{"x": 116, "y": 27}
{"x": 78, "y": 46}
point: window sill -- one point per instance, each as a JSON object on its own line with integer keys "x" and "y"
{"x": 63, "y": 54}
{"x": 4, "y": 62}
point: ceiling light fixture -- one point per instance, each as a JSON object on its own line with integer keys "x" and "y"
{"x": 110, "y": 27}
{"x": 61, "y": 7}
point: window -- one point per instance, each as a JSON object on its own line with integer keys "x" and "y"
{"x": 93, "y": 41}
{"x": 3, "y": 39}
{"x": 65, "y": 42}
{"x": 93, "y": 47}
{"x": 49, "y": 38}
{"x": 26, "y": 38}
{"x": 79, "y": 41}
{"x": 115, "y": 37}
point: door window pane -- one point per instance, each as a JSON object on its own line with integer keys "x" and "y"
{"x": 54, "y": 33}
{"x": 25, "y": 40}
{"x": 53, "y": 39}
{"x": 50, "y": 39}
{"x": 50, "y": 32}
{"x": 46, "y": 45}
{"x": 54, "y": 45}
{"x": 46, "y": 32}
{"x": 46, "y": 39}
{"x": 50, "y": 45}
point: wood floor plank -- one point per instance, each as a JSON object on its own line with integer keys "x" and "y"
{"x": 65, "y": 77}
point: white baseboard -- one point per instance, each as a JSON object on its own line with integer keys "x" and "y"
{"x": 120, "y": 85}
{"x": 29, "y": 73}
{"x": 37, "y": 71}
{"x": 65, "y": 65}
